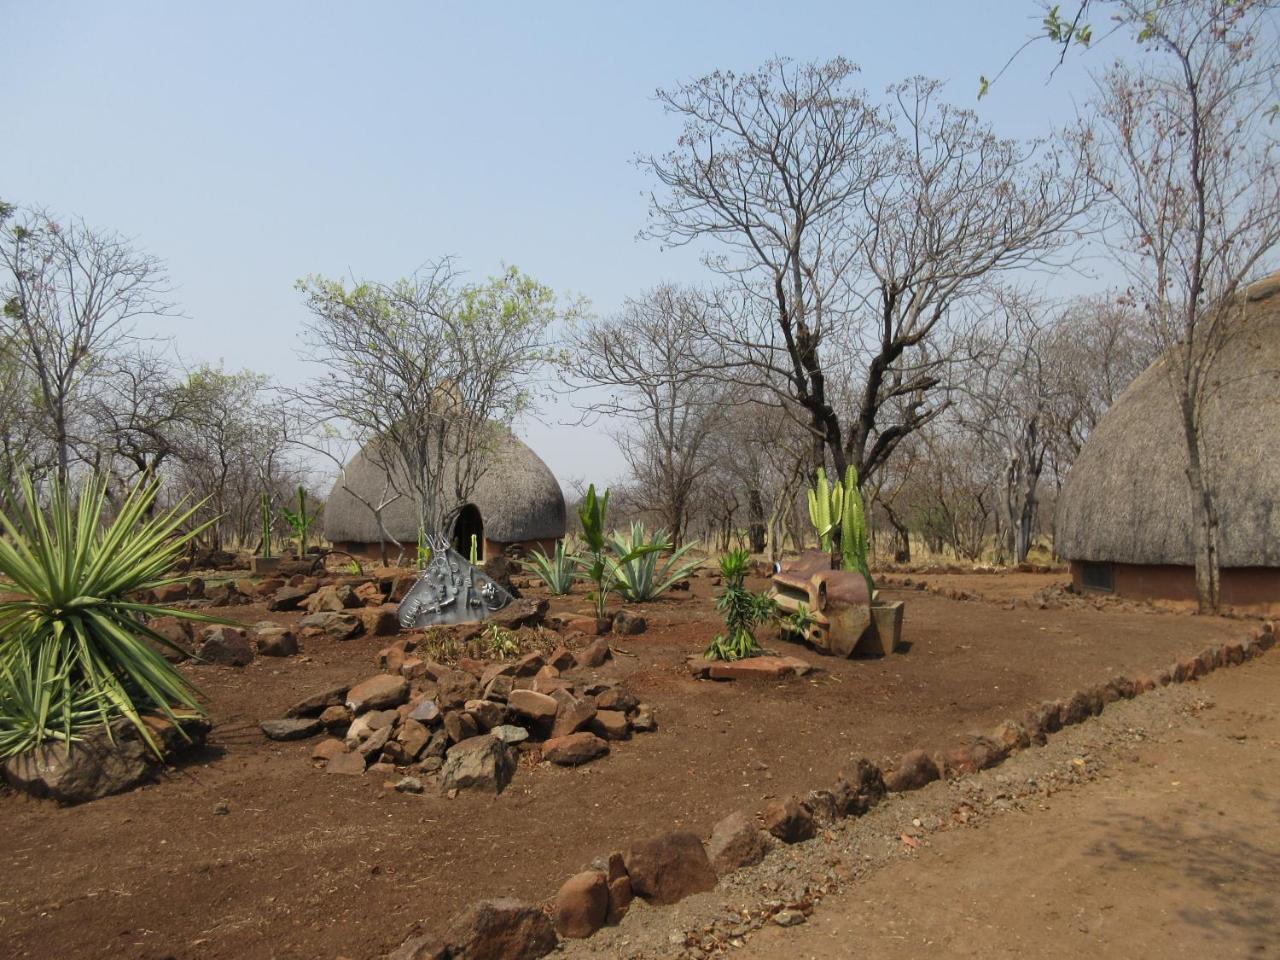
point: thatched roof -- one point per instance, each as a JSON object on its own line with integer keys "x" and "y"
{"x": 1127, "y": 499}
{"x": 518, "y": 496}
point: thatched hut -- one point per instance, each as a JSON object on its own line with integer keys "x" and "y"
{"x": 1124, "y": 516}
{"x": 517, "y": 503}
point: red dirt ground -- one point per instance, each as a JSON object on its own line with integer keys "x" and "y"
{"x": 309, "y": 865}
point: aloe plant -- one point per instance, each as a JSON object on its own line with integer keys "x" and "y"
{"x": 75, "y": 647}
{"x": 641, "y": 577}
{"x": 558, "y": 571}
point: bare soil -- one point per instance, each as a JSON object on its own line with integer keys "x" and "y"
{"x": 308, "y": 865}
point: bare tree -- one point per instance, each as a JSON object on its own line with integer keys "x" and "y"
{"x": 1181, "y": 147}
{"x": 70, "y": 296}
{"x": 855, "y": 234}
{"x": 650, "y": 361}
{"x": 426, "y": 372}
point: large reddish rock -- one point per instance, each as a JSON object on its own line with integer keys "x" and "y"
{"x": 582, "y": 905}
{"x": 535, "y": 706}
{"x": 378, "y": 693}
{"x": 273, "y": 641}
{"x": 315, "y": 705}
{"x": 480, "y": 763}
{"x": 380, "y": 621}
{"x": 859, "y": 789}
{"x": 574, "y": 750}
{"x": 972, "y": 754}
{"x": 915, "y": 769}
{"x": 455, "y": 687}
{"x": 611, "y": 725}
{"x": 225, "y": 646}
{"x": 594, "y": 654}
{"x": 789, "y": 820}
{"x": 668, "y": 868}
{"x": 290, "y": 598}
{"x": 502, "y": 929}
{"x": 572, "y": 716}
{"x": 758, "y": 668}
{"x": 736, "y": 842}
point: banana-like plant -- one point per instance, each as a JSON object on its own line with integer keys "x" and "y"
{"x": 640, "y": 578}
{"x": 75, "y": 646}
{"x": 826, "y": 504}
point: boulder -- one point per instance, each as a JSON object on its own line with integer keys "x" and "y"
{"x": 538, "y": 707}
{"x": 521, "y": 613}
{"x": 611, "y": 725}
{"x": 1011, "y": 735}
{"x": 333, "y": 626}
{"x": 314, "y": 705}
{"x": 378, "y": 693}
{"x": 509, "y": 734}
{"x": 275, "y": 641}
{"x": 736, "y": 842}
{"x": 346, "y": 764}
{"x": 334, "y": 599}
{"x": 915, "y": 769}
{"x": 413, "y": 737}
{"x": 288, "y": 598}
{"x": 502, "y": 929}
{"x": 327, "y": 749}
{"x": 859, "y": 789}
{"x": 299, "y": 728}
{"x": 561, "y": 659}
{"x": 972, "y": 754}
{"x": 382, "y": 621}
{"x": 594, "y": 654}
{"x": 425, "y": 711}
{"x": 336, "y": 719}
{"x": 455, "y": 687}
{"x": 574, "y": 749}
{"x": 572, "y": 716}
{"x": 616, "y": 698}
{"x": 480, "y": 763}
{"x": 789, "y": 820}
{"x": 370, "y": 594}
{"x": 177, "y": 632}
{"x": 529, "y": 665}
{"x": 582, "y": 905}
{"x": 667, "y": 868}
{"x": 644, "y": 721}
{"x": 628, "y": 624}
{"x": 225, "y": 646}
{"x": 102, "y": 762}
{"x": 487, "y": 713}
{"x": 460, "y": 725}
{"x": 821, "y": 805}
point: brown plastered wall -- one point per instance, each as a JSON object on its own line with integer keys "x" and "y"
{"x": 1253, "y": 590}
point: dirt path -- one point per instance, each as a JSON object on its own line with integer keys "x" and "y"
{"x": 1164, "y": 846}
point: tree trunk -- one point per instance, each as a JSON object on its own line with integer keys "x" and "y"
{"x": 1204, "y": 517}
{"x": 755, "y": 522}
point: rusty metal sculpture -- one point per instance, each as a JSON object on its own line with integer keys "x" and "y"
{"x": 450, "y": 590}
{"x": 836, "y": 601}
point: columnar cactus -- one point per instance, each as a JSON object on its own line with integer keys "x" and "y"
{"x": 854, "y": 544}
{"x": 825, "y": 505}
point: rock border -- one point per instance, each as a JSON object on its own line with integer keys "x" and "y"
{"x": 665, "y": 869}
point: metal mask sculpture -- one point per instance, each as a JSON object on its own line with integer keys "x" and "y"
{"x": 450, "y": 590}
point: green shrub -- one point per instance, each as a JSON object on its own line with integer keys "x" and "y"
{"x": 743, "y": 610}
{"x": 636, "y": 556}
{"x": 75, "y": 648}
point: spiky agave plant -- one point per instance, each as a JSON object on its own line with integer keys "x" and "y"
{"x": 641, "y": 577}
{"x": 558, "y": 570}
{"x": 75, "y": 648}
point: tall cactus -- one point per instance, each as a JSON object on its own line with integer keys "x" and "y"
{"x": 854, "y": 543}
{"x": 266, "y": 525}
{"x": 825, "y": 505}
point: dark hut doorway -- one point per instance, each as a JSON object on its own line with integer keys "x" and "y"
{"x": 467, "y": 525}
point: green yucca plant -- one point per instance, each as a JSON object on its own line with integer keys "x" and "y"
{"x": 636, "y": 561}
{"x": 75, "y": 648}
{"x": 743, "y": 610}
{"x": 558, "y": 570}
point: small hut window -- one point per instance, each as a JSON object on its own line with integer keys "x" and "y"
{"x": 1098, "y": 576}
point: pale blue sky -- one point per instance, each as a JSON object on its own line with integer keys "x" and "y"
{"x": 249, "y": 144}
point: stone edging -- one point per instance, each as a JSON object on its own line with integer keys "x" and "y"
{"x": 667, "y": 868}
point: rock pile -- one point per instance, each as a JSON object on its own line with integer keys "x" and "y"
{"x": 466, "y": 725}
